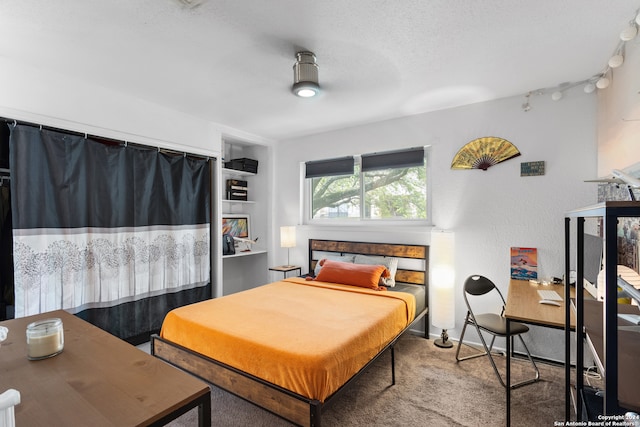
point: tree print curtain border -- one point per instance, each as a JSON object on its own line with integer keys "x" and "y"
{"x": 102, "y": 229}
{"x": 97, "y": 268}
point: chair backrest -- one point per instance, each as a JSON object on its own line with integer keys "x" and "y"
{"x": 479, "y": 285}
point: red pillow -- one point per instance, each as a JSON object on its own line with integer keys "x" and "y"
{"x": 365, "y": 276}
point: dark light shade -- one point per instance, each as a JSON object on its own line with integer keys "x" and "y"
{"x": 330, "y": 167}
{"x": 393, "y": 159}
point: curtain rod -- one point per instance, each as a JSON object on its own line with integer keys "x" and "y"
{"x": 98, "y": 138}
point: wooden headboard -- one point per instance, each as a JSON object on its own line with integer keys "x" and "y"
{"x": 416, "y": 276}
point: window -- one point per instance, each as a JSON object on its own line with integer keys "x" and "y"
{"x": 379, "y": 186}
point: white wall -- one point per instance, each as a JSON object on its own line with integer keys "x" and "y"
{"x": 52, "y": 99}
{"x": 619, "y": 115}
{"x": 490, "y": 211}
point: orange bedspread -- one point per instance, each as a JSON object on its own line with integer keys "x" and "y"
{"x": 308, "y": 337}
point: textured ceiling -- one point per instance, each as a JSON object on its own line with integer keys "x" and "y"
{"x": 230, "y": 61}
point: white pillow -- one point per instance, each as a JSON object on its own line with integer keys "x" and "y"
{"x": 342, "y": 258}
{"x": 389, "y": 262}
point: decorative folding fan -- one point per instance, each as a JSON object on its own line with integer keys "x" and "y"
{"x": 483, "y": 153}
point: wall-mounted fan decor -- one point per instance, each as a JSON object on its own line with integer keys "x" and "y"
{"x": 483, "y": 153}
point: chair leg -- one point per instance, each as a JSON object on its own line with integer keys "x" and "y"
{"x": 487, "y": 352}
{"x": 493, "y": 339}
{"x": 533, "y": 363}
{"x": 464, "y": 328}
{"x": 473, "y": 356}
{"x": 523, "y": 382}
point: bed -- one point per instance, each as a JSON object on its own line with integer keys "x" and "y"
{"x": 293, "y": 346}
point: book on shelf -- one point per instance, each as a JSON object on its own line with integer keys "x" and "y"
{"x": 237, "y": 189}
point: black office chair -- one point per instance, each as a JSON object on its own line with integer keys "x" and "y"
{"x": 492, "y": 323}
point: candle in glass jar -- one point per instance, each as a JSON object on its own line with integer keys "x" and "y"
{"x": 45, "y": 338}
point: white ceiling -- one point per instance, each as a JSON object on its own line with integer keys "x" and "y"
{"x": 230, "y": 61}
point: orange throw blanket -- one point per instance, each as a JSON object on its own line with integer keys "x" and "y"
{"x": 308, "y": 337}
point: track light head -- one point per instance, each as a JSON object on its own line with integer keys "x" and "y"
{"x": 603, "y": 82}
{"x": 616, "y": 60}
{"x": 629, "y": 33}
{"x": 589, "y": 87}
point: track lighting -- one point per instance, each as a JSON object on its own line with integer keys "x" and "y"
{"x": 526, "y": 106}
{"x": 616, "y": 60}
{"x": 603, "y": 82}
{"x": 305, "y": 75}
{"x": 589, "y": 87}
{"x": 629, "y": 33}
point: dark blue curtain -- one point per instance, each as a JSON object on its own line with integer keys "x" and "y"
{"x": 118, "y": 235}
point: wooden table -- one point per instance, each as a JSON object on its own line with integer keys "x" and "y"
{"x": 97, "y": 380}
{"x": 523, "y": 306}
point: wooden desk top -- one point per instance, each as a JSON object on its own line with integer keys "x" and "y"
{"x": 522, "y": 305}
{"x": 97, "y": 380}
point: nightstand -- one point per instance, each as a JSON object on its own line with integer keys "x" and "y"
{"x": 284, "y": 269}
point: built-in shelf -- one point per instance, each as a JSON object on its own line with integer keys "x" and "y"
{"x": 246, "y": 253}
{"x": 238, "y": 202}
{"x": 237, "y": 172}
{"x": 245, "y": 270}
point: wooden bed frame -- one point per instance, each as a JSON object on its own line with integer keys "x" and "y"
{"x": 282, "y": 402}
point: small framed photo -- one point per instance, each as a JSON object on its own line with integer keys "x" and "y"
{"x": 237, "y": 225}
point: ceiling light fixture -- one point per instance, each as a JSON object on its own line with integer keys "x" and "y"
{"x": 305, "y": 75}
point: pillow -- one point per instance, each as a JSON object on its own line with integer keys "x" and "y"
{"x": 389, "y": 262}
{"x": 365, "y": 276}
{"x": 343, "y": 258}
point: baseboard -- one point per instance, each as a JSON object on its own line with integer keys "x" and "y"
{"x": 503, "y": 351}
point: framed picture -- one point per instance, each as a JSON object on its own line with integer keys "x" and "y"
{"x": 238, "y": 225}
{"x": 524, "y": 263}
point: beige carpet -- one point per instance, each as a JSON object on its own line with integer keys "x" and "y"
{"x": 431, "y": 390}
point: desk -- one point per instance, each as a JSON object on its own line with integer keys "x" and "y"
{"x": 97, "y": 380}
{"x": 522, "y": 306}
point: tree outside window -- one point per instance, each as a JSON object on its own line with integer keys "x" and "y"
{"x": 398, "y": 193}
